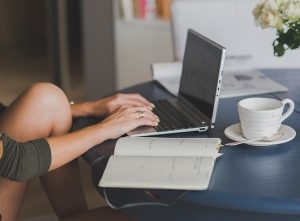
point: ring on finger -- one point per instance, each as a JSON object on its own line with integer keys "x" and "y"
{"x": 141, "y": 113}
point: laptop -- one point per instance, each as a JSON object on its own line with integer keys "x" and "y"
{"x": 195, "y": 107}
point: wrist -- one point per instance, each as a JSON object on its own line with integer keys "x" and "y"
{"x": 85, "y": 109}
{"x": 101, "y": 132}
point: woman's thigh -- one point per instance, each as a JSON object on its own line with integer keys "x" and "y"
{"x": 40, "y": 111}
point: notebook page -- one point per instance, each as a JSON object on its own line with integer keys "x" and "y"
{"x": 189, "y": 173}
{"x": 151, "y": 146}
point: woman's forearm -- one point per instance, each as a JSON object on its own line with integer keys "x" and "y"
{"x": 84, "y": 109}
{"x": 68, "y": 147}
{"x": 21, "y": 161}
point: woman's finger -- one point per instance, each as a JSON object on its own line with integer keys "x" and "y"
{"x": 139, "y": 120}
{"x": 140, "y": 109}
{"x": 138, "y": 98}
{"x": 143, "y": 112}
{"x": 147, "y": 121}
{"x": 146, "y": 117}
{"x": 133, "y": 103}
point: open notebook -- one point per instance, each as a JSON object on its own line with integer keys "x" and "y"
{"x": 161, "y": 163}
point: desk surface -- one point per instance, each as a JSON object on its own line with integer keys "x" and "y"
{"x": 260, "y": 179}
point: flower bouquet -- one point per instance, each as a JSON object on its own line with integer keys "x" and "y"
{"x": 284, "y": 16}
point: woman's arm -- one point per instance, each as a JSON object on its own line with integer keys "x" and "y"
{"x": 70, "y": 146}
{"x": 67, "y": 147}
{"x": 21, "y": 161}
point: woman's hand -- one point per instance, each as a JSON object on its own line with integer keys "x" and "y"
{"x": 106, "y": 106}
{"x": 126, "y": 119}
{"x": 110, "y": 104}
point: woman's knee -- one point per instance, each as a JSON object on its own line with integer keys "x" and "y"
{"x": 51, "y": 101}
{"x": 43, "y": 107}
{"x": 47, "y": 94}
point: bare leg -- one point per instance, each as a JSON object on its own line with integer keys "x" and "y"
{"x": 41, "y": 111}
{"x": 11, "y": 198}
{"x": 64, "y": 190}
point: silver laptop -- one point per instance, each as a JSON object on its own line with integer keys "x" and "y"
{"x": 196, "y": 106}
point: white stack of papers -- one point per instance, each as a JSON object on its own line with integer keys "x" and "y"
{"x": 236, "y": 82}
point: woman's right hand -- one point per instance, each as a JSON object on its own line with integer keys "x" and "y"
{"x": 125, "y": 119}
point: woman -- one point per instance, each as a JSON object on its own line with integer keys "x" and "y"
{"x": 35, "y": 140}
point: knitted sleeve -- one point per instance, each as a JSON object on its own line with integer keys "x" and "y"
{"x": 23, "y": 161}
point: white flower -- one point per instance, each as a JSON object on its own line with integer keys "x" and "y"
{"x": 272, "y": 6}
{"x": 291, "y": 10}
{"x": 269, "y": 19}
{"x": 258, "y": 9}
{"x": 267, "y": 14}
{"x": 283, "y": 15}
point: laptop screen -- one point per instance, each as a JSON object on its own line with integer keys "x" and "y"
{"x": 200, "y": 72}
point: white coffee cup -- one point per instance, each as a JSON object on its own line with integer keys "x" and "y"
{"x": 262, "y": 117}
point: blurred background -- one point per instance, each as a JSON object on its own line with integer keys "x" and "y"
{"x": 87, "y": 47}
{"x": 25, "y": 43}
{"x": 26, "y": 57}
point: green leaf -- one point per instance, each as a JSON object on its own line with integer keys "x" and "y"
{"x": 287, "y": 38}
{"x": 278, "y": 48}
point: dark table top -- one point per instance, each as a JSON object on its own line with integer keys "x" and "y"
{"x": 260, "y": 179}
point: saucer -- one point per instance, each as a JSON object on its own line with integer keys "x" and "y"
{"x": 234, "y": 132}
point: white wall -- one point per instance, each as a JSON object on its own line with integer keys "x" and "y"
{"x": 231, "y": 24}
{"x": 137, "y": 46}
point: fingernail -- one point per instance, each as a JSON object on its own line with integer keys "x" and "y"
{"x": 150, "y": 108}
{"x": 156, "y": 118}
{"x": 152, "y": 105}
{"x": 155, "y": 123}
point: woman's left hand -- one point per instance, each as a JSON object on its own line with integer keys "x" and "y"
{"x": 106, "y": 106}
{"x": 110, "y": 104}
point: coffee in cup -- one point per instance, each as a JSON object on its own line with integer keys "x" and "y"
{"x": 262, "y": 117}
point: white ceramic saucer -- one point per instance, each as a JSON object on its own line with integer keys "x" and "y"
{"x": 234, "y": 132}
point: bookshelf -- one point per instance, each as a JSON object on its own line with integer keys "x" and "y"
{"x": 159, "y": 24}
{"x": 117, "y": 53}
{"x": 138, "y": 43}
{"x": 145, "y": 10}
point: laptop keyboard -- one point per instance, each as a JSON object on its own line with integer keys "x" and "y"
{"x": 170, "y": 117}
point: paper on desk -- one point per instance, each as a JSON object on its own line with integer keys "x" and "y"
{"x": 236, "y": 82}
{"x": 248, "y": 82}
{"x": 168, "y": 74}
